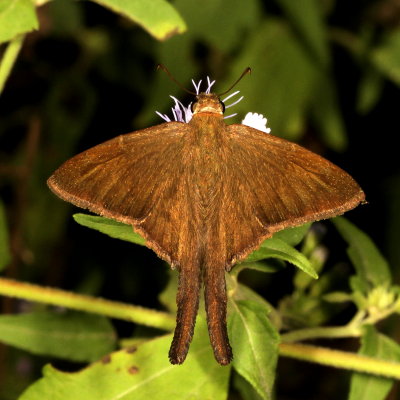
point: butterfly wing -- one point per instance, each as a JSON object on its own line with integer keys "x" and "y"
{"x": 273, "y": 184}
{"x": 131, "y": 178}
{"x": 143, "y": 179}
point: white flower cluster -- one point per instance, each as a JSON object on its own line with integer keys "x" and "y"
{"x": 184, "y": 114}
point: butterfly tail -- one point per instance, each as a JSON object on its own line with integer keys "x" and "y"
{"x": 215, "y": 302}
{"x": 187, "y": 299}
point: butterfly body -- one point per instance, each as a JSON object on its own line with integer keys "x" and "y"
{"x": 205, "y": 194}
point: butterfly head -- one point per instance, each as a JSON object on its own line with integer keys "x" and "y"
{"x": 208, "y": 103}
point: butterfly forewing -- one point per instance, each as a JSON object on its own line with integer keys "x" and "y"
{"x": 272, "y": 184}
{"x": 146, "y": 179}
{"x": 137, "y": 179}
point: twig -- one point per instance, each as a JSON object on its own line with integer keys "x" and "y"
{"x": 113, "y": 309}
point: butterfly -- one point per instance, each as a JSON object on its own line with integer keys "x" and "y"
{"x": 204, "y": 194}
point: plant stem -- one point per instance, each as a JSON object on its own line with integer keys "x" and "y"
{"x": 62, "y": 298}
{"x": 340, "y": 359}
{"x": 322, "y": 332}
{"x": 9, "y": 57}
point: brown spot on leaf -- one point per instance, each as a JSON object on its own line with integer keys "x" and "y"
{"x": 133, "y": 370}
{"x": 131, "y": 349}
{"x": 106, "y": 359}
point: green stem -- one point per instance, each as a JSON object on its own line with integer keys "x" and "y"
{"x": 86, "y": 303}
{"x": 373, "y": 319}
{"x": 340, "y": 359}
{"x": 322, "y": 332}
{"x": 9, "y": 57}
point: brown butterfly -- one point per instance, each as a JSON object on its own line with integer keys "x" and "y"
{"x": 204, "y": 195}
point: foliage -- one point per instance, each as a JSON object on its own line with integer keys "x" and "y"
{"x": 73, "y": 74}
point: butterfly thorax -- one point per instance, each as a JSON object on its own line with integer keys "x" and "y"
{"x": 207, "y": 149}
{"x": 208, "y": 103}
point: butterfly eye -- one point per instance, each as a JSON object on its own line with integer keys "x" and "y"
{"x": 192, "y": 106}
{"x": 223, "y": 106}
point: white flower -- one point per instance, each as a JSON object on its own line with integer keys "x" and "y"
{"x": 182, "y": 113}
{"x": 179, "y": 111}
{"x": 233, "y": 104}
{"x": 257, "y": 121}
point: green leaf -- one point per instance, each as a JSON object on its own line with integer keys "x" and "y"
{"x": 158, "y": 17}
{"x": 369, "y": 387}
{"x": 277, "y": 248}
{"x": 326, "y": 113}
{"x": 337, "y": 297}
{"x": 255, "y": 342}
{"x": 205, "y": 24}
{"x": 306, "y": 17}
{"x": 370, "y": 265}
{"x": 70, "y": 335}
{"x": 205, "y": 27}
{"x": 276, "y": 89}
{"x": 267, "y": 266}
{"x": 271, "y": 248}
{"x": 386, "y": 56}
{"x": 245, "y": 389}
{"x": 171, "y": 54}
{"x": 359, "y": 285}
{"x": 5, "y": 256}
{"x": 293, "y": 236}
{"x": 239, "y": 292}
{"x": 168, "y": 296}
{"x": 67, "y": 18}
{"x": 9, "y": 58}
{"x": 140, "y": 373}
{"x": 112, "y": 228}
{"x": 369, "y": 90}
{"x": 16, "y": 17}
{"x": 316, "y": 254}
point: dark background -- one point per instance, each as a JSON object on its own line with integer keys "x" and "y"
{"x": 88, "y": 75}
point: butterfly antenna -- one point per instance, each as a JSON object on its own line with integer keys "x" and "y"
{"x": 165, "y": 69}
{"x": 245, "y": 72}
